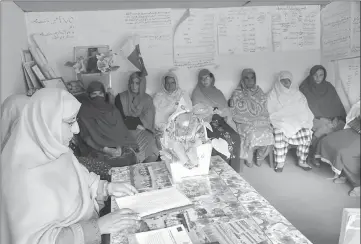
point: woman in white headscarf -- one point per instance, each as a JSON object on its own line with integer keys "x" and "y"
{"x": 10, "y": 112}
{"x": 291, "y": 119}
{"x": 47, "y": 196}
{"x": 166, "y": 101}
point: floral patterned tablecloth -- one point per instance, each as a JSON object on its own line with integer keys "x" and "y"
{"x": 222, "y": 200}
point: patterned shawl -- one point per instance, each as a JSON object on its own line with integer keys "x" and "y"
{"x": 288, "y": 108}
{"x": 250, "y": 105}
{"x": 322, "y": 98}
{"x": 140, "y": 104}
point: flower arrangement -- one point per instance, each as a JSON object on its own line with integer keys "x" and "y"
{"x": 104, "y": 63}
{"x": 183, "y": 135}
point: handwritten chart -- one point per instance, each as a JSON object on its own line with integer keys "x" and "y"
{"x": 57, "y": 27}
{"x": 296, "y": 28}
{"x": 355, "y": 28}
{"x": 154, "y": 28}
{"x": 195, "y": 40}
{"x": 244, "y": 30}
{"x": 336, "y": 35}
{"x": 349, "y": 70}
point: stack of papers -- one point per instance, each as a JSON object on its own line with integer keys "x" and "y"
{"x": 172, "y": 235}
{"x": 151, "y": 203}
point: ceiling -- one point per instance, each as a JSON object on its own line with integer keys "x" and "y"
{"x": 92, "y": 5}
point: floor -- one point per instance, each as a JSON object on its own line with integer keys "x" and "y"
{"x": 310, "y": 201}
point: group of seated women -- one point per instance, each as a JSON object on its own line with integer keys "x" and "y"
{"x": 49, "y": 197}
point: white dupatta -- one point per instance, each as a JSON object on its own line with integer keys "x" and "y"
{"x": 44, "y": 188}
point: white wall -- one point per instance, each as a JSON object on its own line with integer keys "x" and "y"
{"x": 107, "y": 29}
{"x": 13, "y": 40}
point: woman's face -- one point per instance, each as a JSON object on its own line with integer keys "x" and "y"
{"x": 170, "y": 84}
{"x": 69, "y": 128}
{"x": 134, "y": 85}
{"x": 286, "y": 83}
{"x": 319, "y": 76}
{"x": 95, "y": 94}
{"x": 206, "y": 80}
{"x": 249, "y": 80}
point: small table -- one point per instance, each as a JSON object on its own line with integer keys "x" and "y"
{"x": 223, "y": 200}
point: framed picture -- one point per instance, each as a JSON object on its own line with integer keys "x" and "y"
{"x": 88, "y": 53}
{"x": 38, "y": 72}
{"x": 34, "y": 81}
{"x": 75, "y": 87}
{"x": 54, "y": 83}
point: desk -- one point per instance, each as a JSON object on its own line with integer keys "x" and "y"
{"x": 221, "y": 197}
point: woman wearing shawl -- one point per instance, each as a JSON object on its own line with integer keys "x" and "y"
{"x": 248, "y": 103}
{"x": 138, "y": 112}
{"x": 324, "y": 103}
{"x": 10, "y": 112}
{"x": 291, "y": 119}
{"x": 341, "y": 149}
{"x": 47, "y": 196}
{"x": 207, "y": 94}
{"x": 105, "y": 135}
{"x": 166, "y": 102}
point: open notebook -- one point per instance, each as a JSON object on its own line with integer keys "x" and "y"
{"x": 151, "y": 203}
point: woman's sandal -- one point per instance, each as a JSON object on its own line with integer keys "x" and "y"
{"x": 279, "y": 170}
{"x": 250, "y": 165}
{"x": 355, "y": 192}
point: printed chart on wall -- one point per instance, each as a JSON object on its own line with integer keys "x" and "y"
{"x": 349, "y": 71}
{"x": 154, "y": 28}
{"x": 296, "y": 28}
{"x": 336, "y": 35}
{"x": 195, "y": 39}
{"x": 244, "y": 30}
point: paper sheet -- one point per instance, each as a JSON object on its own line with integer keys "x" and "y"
{"x": 244, "y": 30}
{"x": 195, "y": 40}
{"x": 154, "y": 202}
{"x": 349, "y": 72}
{"x": 172, "y": 235}
{"x": 336, "y": 33}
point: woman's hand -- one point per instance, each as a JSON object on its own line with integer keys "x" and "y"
{"x": 140, "y": 127}
{"x": 117, "y": 221}
{"x": 121, "y": 189}
{"x": 114, "y": 152}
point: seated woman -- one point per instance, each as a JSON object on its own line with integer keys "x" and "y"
{"x": 341, "y": 150}
{"x": 102, "y": 129}
{"x": 207, "y": 94}
{"x": 11, "y": 110}
{"x": 166, "y": 102}
{"x": 324, "y": 103}
{"x": 291, "y": 119}
{"x": 47, "y": 196}
{"x": 137, "y": 109}
{"x": 249, "y": 109}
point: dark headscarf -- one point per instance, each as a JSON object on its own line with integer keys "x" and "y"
{"x": 208, "y": 95}
{"x": 102, "y": 121}
{"x": 322, "y": 98}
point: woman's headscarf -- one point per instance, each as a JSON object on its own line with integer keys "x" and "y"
{"x": 166, "y": 102}
{"x": 250, "y": 105}
{"x": 322, "y": 98}
{"x": 208, "y": 95}
{"x": 288, "y": 108}
{"x": 140, "y": 104}
{"x": 102, "y": 121}
{"x": 10, "y": 111}
{"x": 44, "y": 188}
